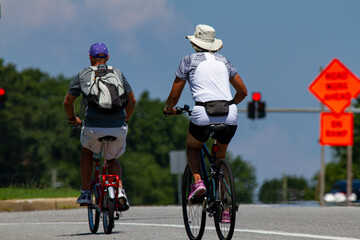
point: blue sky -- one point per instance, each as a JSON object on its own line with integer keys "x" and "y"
{"x": 276, "y": 45}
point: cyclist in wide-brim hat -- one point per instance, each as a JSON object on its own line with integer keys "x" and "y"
{"x": 210, "y": 75}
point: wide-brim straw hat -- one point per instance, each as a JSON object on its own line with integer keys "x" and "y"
{"x": 204, "y": 37}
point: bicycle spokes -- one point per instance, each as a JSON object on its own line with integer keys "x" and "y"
{"x": 226, "y": 201}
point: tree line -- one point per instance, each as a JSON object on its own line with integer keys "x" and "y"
{"x": 36, "y": 138}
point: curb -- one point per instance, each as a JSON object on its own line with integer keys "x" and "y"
{"x": 37, "y": 204}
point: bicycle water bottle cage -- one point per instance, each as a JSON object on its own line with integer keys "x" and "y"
{"x": 217, "y": 129}
{"x": 107, "y": 139}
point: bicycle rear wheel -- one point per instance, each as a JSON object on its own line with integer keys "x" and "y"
{"x": 93, "y": 214}
{"x": 194, "y": 213}
{"x": 225, "y": 214}
{"x": 108, "y": 214}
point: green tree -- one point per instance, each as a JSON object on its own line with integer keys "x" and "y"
{"x": 151, "y": 137}
{"x": 272, "y": 191}
{"x": 244, "y": 178}
{"x": 36, "y": 138}
{"x": 33, "y": 128}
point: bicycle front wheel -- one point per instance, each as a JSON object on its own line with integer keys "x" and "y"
{"x": 225, "y": 214}
{"x": 194, "y": 213}
{"x": 93, "y": 214}
{"x": 108, "y": 214}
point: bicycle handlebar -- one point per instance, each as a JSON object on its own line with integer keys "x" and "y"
{"x": 180, "y": 110}
{"x": 77, "y": 126}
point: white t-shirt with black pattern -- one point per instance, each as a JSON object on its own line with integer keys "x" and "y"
{"x": 208, "y": 75}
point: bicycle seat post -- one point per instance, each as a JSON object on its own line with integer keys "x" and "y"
{"x": 104, "y": 148}
{"x": 215, "y": 147}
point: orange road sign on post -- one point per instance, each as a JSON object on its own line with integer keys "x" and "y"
{"x": 335, "y": 86}
{"x": 336, "y": 129}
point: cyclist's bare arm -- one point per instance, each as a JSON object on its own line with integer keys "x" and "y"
{"x": 129, "y": 109}
{"x": 70, "y": 110}
{"x": 174, "y": 95}
{"x": 241, "y": 91}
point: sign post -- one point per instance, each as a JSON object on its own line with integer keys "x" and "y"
{"x": 335, "y": 86}
{"x": 177, "y": 166}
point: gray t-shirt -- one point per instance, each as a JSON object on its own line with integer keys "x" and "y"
{"x": 93, "y": 118}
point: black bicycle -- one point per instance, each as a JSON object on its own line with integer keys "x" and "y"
{"x": 220, "y": 198}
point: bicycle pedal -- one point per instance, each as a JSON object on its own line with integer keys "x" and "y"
{"x": 196, "y": 199}
{"x": 84, "y": 204}
{"x": 117, "y": 216}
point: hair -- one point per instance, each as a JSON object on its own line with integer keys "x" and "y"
{"x": 199, "y": 49}
{"x": 95, "y": 60}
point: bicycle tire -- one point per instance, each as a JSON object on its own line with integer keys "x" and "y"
{"x": 93, "y": 214}
{"x": 225, "y": 188}
{"x": 194, "y": 214}
{"x": 108, "y": 214}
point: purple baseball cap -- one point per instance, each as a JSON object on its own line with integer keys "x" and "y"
{"x": 98, "y": 50}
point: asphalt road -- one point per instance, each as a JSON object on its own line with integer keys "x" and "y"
{"x": 254, "y": 222}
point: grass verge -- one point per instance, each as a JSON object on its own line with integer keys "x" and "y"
{"x": 31, "y": 193}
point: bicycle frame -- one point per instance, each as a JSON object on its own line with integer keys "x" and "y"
{"x": 219, "y": 200}
{"x": 208, "y": 176}
{"x": 103, "y": 182}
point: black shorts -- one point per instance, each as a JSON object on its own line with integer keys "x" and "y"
{"x": 200, "y": 133}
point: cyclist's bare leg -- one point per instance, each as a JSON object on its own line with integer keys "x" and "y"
{"x": 114, "y": 168}
{"x": 222, "y": 151}
{"x": 86, "y": 167}
{"x": 193, "y": 148}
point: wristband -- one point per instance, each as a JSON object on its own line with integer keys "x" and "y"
{"x": 168, "y": 109}
{"x": 72, "y": 119}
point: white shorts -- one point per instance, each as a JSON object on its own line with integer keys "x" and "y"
{"x": 89, "y": 139}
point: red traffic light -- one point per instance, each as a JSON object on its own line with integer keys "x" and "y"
{"x": 2, "y": 92}
{"x": 256, "y": 96}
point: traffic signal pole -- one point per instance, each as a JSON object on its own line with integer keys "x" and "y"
{"x": 299, "y": 110}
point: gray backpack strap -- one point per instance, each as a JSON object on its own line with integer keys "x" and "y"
{"x": 82, "y": 105}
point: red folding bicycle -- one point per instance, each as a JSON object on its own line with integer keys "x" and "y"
{"x": 104, "y": 193}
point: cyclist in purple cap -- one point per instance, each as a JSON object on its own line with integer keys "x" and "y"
{"x": 97, "y": 124}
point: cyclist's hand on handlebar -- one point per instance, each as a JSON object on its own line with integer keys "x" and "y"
{"x": 75, "y": 122}
{"x": 171, "y": 111}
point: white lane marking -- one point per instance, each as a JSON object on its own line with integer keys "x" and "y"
{"x": 255, "y": 231}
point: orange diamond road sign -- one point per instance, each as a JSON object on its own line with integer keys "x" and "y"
{"x": 336, "y": 129}
{"x": 335, "y": 86}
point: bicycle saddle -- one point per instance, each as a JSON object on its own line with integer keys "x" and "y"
{"x": 107, "y": 139}
{"x": 217, "y": 128}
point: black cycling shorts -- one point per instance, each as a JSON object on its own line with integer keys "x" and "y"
{"x": 200, "y": 133}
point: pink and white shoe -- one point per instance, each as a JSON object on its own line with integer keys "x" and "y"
{"x": 225, "y": 218}
{"x": 197, "y": 189}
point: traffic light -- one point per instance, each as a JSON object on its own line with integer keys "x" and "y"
{"x": 2, "y": 97}
{"x": 261, "y": 109}
{"x": 251, "y": 110}
{"x": 256, "y": 108}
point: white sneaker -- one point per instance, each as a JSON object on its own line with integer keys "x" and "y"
{"x": 123, "y": 201}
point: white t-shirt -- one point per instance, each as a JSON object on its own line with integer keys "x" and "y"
{"x": 208, "y": 75}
